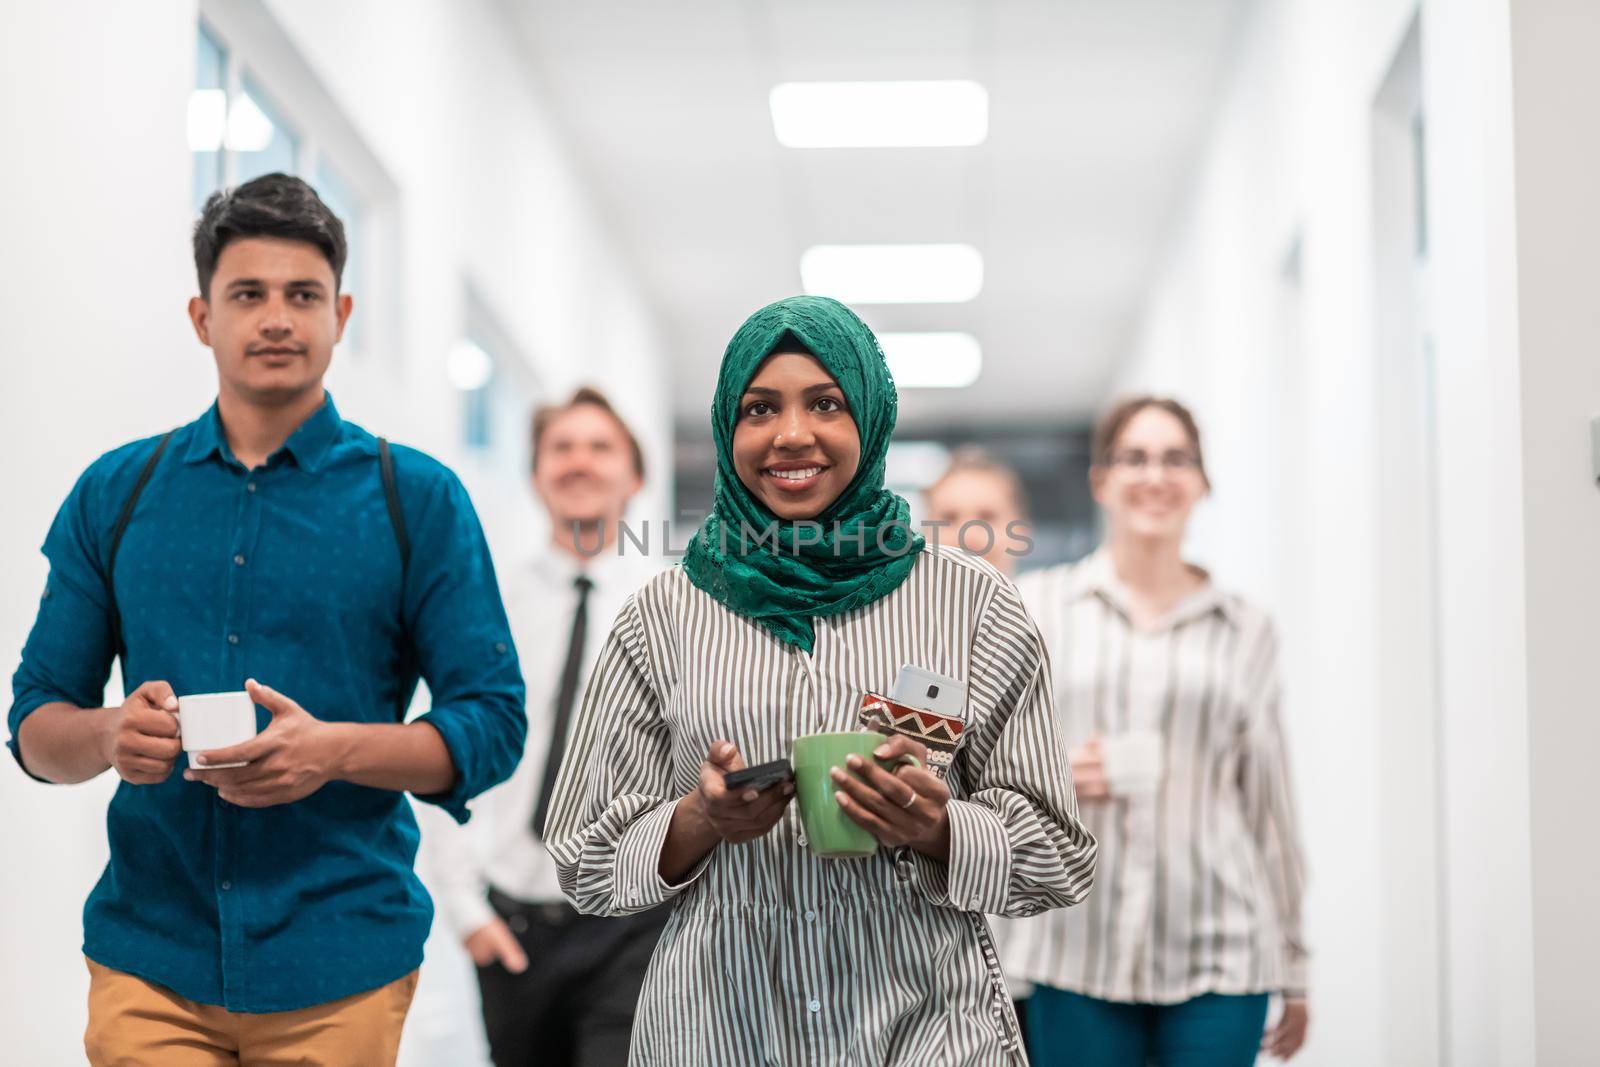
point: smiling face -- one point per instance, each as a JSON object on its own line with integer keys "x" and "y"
{"x": 271, "y": 319}
{"x": 1151, "y": 480}
{"x": 585, "y": 471}
{"x": 795, "y": 446}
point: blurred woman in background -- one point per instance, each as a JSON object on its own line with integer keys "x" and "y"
{"x": 1167, "y": 690}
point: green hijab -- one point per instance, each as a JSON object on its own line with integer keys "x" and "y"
{"x": 862, "y": 546}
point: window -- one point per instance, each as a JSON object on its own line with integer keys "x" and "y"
{"x": 471, "y": 370}
{"x": 497, "y": 387}
{"x": 236, "y": 130}
{"x": 258, "y": 138}
{"x": 343, "y": 202}
{"x": 208, "y": 109}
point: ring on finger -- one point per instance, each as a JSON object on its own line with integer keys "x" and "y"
{"x": 910, "y": 800}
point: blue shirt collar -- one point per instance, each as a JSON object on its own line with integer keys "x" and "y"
{"x": 309, "y": 444}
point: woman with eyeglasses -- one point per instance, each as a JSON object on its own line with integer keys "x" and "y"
{"x": 1167, "y": 692}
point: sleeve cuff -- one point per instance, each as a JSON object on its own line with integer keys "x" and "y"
{"x": 467, "y": 911}
{"x": 454, "y": 800}
{"x": 979, "y": 871}
{"x": 1295, "y": 983}
{"x": 639, "y": 885}
{"x": 18, "y": 713}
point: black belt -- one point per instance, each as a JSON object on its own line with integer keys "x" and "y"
{"x": 548, "y": 912}
{"x": 520, "y": 914}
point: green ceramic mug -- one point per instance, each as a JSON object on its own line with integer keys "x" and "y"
{"x": 830, "y": 832}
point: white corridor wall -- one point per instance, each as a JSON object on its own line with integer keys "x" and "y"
{"x": 1264, "y": 317}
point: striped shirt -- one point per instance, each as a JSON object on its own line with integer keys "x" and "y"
{"x": 771, "y": 955}
{"x": 1199, "y": 883}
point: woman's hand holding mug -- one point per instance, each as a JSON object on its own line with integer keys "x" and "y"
{"x": 903, "y": 806}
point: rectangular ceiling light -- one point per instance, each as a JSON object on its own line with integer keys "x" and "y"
{"x": 932, "y": 360}
{"x": 893, "y": 274}
{"x": 931, "y": 114}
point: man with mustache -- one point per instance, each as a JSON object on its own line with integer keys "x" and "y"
{"x": 558, "y": 988}
{"x": 266, "y": 912}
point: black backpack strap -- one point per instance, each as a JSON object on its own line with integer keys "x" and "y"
{"x": 391, "y": 496}
{"x": 397, "y": 519}
{"x": 121, "y": 528}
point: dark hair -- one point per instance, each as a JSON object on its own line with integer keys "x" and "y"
{"x": 544, "y": 415}
{"x": 789, "y": 343}
{"x": 273, "y": 205}
{"x": 1113, "y": 422}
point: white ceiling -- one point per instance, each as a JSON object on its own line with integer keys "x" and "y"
{"x": 1097, "y": 110}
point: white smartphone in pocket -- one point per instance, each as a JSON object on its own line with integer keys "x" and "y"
{"x": 917, "y": 687}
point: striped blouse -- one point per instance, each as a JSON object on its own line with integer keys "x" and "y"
{"x": 1200, "y": 883}
{"x": 771, "y": 955}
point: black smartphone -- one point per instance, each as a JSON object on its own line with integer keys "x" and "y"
{"x": 762, "y": 776}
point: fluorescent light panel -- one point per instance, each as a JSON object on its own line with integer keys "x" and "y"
{"x": 212, "y": 123}
{"x": 923, "y": 114}
{"x": 893, "y": 274}
{"x": 932, "y": 360}
{"x": 468, "y": 367}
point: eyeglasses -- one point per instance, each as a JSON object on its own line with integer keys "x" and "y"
{"x": 1137, "y": 459}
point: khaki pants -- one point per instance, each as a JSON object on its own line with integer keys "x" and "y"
{"x": 134, "y": 1023}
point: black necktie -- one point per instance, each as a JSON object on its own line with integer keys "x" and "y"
{"x": 565, "y": 698}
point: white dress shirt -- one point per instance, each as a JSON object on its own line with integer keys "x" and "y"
{"x": 498, "y": 847}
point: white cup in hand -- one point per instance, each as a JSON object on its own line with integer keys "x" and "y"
{"x": 1134, "y": 762}
{"x": 209, "y": 721}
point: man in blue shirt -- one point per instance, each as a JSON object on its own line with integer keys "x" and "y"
{"x": 270, "y": 910}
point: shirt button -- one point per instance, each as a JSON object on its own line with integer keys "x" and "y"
{"x": 815, "y": 1006}
{"x": 238, "y": 561}
{"x": 233, "y": 639}
{"x": 226, "y": 886}
{"x": 518, "y": 924}
{"x": 250, "y": 487}
{"x": 500, "y": 646}
{"x": 811, "y": 916}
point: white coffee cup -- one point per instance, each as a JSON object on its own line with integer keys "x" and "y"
{"x": 209, "y": 721}
{"x": 1134, "y": 762}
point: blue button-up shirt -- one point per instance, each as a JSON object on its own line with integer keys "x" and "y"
{"x": 291, "y": 574}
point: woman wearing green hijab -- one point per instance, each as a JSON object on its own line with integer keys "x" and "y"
{"x": 804, "y": 590}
